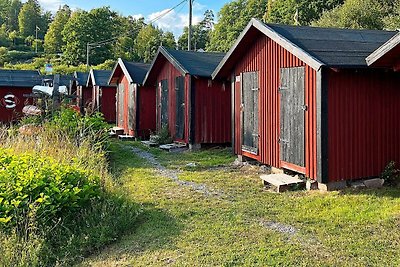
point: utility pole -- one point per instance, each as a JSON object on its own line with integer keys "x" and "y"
{"x": 36, "y": 37}
{"x": 87, "y": 55}
{"x": 190, "y": 25}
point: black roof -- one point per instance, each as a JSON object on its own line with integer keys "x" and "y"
{"x": 197, "y": 63}
{"x": 101, "y": 77}
{"x": 81, "y": 77}
{"x": 65, "y": 80}
{"x": 335, "y": 47}
{"x": 20, "y": 78}
{"x": 137, "y": 71}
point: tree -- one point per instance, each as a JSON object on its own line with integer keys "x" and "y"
{"x": 200, "y": 33}
{"x": 29, "y": 17}
{"x": 53, "y": 40}
{"x": 13, "y": 14}
{"x": 98, "y": 25}
{"x": 301, "y": 12}
{"x": 130, "y": 28}
{"x": 148, "y": 41}
{"x": 356, "y": 14}
{"x": 233, "y": 18}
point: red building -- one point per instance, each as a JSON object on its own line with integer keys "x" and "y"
{"x": 195, "y": 109}
{"x": 13, "y": 85}
{"x": 136, "y": 104}
{"x": 103, "y": 94}
{"x": 80, "y": 89}
{"x": 304, "y": 99}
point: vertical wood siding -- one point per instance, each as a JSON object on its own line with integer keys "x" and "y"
{"x": 9, "y": 115}
{"x": 107, "y": 103}
{"x": 267, "y": 57}
{"x": 363, "y": 123}
{"x": 146, "y": 110}
{"x": 212, "y": 112}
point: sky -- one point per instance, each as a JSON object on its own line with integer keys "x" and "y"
{"x": 174, "y": 21}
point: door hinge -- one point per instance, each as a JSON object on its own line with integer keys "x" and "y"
{"x": 282, "y": 88}
{"x": 304, "y": 107}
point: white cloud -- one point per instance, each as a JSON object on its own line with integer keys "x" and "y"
{"x": 172, "y": 21}
{"x": 137, "y": 16}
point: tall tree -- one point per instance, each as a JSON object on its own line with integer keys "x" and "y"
{"x": 201, "y": 33}
{"x": 148, "y": 41}
{"x": 53, "y": 40}
{"x": 29, "y": 18}
{"x": 356, "y": 14}
{"x": 130, "y": 28}
{"x": 98, "y": 25}
{"x": 301, "y": 12}
{"x": 233, "y": 18}
{"x": 13, "y": 14}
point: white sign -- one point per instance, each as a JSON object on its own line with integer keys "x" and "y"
{"x": 9, "y": 101}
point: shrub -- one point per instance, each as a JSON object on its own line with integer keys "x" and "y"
{"x": 163, "y": 136}
{"x": 391, "y": 174}
{"x": 32, "y": 184}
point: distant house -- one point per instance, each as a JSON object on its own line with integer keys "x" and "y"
{"x": 80, "y": 89}
{"x": 103, "y": 94}
{"x": 195, "y": 109}
{"x": 13, "y": 85}
{"x": 136, "y": 104}
{"x": 304, "y": 99}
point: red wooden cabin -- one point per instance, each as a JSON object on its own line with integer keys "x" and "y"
{"x": 136, "y": 104}
{"x": 304, "y": 99}
{"x": 195, "y": 109}
{"x": 13, "y": 85}
{"x": 103, "y": 94}
{"x": 80, "y": 89}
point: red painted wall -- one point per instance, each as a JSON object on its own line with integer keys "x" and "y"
{"x": 8, "y": 115}
{"x": 107, "y": 103}
{"x": 84, "y": 96}
{"x": 212, "y": 112}
{"x": 363, "y": 118}
{"x": 147, "y": 110}
{"x": 267, "y": 57}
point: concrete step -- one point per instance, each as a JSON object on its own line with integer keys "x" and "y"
{"x": 149, "y": 143}
{"x": 125, "y": 137}
{"x": 282, "y": 182}
{"x": 174, "y": 147}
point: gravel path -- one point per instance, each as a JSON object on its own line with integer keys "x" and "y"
{"x": 174, "y": 175}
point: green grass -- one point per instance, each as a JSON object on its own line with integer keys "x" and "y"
{"x": 181, "y": 227}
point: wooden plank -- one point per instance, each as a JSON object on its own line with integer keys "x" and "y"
{"x": 180, "y": 107}
{"x": 282, "y": 182}
{"x": 164, "y": 103}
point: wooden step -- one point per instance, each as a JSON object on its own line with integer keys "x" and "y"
{"x": 174, "y": 147}
{"x": 125, "y": 137}
{"x": 149, "y": 143}
{"x": 282, "y": 182}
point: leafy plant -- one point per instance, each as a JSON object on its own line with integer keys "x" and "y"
{"x": 163, "y": 136}
{"x": 391, "y": 174}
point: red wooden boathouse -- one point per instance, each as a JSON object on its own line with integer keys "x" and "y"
{"x": 80, "y": 89}
{"x": 103, "y": 94}
{"x": 195, "y": 108}
{"x": 304, "y": 99}
{"x": 14, "y": 84}
{"x": 136, "y": 104}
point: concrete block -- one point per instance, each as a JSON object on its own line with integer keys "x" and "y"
{"x": 311, "y": 185}
{"x": 332, "y": 186}
{"x": 194, "y": 147}
{"x": 275, "y": 170}
{"x": 374, "y": 183}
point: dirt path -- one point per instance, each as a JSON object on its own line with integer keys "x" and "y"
{"x": 174, "y": 175}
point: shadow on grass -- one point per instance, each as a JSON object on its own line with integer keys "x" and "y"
{"x": 154, "y": 229}
{"x": 387, "y": 192}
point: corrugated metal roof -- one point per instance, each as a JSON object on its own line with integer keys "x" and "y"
{"x": 137, "y": 71}
{"x": 100, "y": 77}
{"x": 197, "y": 63}
{"x": 20, "y": 78}
{"x": 335, "y": 47}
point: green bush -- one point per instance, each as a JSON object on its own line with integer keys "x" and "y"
{"x": 31, "y": 184}
{"x": 391, "y": 174}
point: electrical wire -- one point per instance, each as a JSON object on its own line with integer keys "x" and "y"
{"x": 167, "y": 12}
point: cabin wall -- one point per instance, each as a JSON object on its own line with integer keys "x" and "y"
{"x": 363, "y": 123}
{"x": 169, "y": 72}
{"x": 146, "y": 110}
{"x": 14, "y": 96}
{"x": 267, "y": 57}
{"x": 107, "y": 103}
{"x": 212, "y": 111}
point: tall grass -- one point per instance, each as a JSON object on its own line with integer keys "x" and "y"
{"x": 65, "y": 240}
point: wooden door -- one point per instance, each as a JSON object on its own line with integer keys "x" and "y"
{"x": 250, "y": 106}
{"x": 180, "y": 107}
{"x": 292, "y": 116}
{"x": 120, "y": 105}
{"x": 132, "y": 107}
{"x": 164, "y": 103}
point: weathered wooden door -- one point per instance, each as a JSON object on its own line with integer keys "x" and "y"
{"x": 292, "y": 117}
{"x": 250, "y": 106}
{"x": 164, "y": 103}
{"x": 132, "y": 107}
{"x": 180, "y": 107}
{"x": 121, "y": 105}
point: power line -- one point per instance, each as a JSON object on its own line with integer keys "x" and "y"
{"x": 167, "y": 12}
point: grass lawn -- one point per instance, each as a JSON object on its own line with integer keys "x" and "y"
{"x": 245, "y": 225}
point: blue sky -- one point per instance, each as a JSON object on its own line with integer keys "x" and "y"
{"x": 149, "y": 9}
